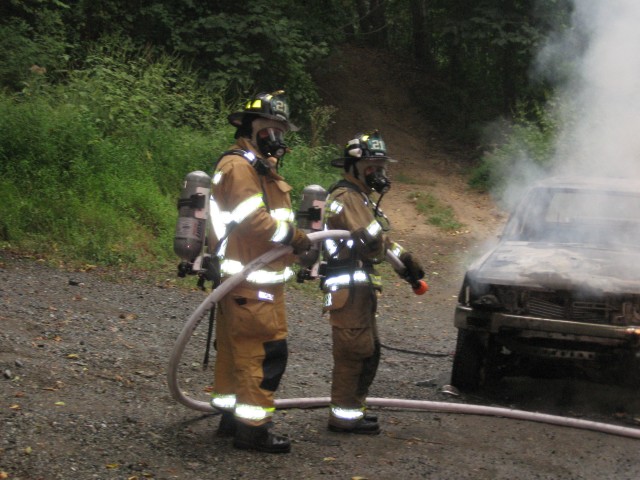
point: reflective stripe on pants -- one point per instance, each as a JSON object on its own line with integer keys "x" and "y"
{"x": 251, "y": 353}
{"x": 356, "y": 349}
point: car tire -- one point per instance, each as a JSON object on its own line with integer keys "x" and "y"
{"x": 468, "y": 361}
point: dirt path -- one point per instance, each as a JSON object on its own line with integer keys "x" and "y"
{"x": 371, "y": 90}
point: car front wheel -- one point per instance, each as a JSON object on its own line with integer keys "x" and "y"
{"x": 468, "y": 361}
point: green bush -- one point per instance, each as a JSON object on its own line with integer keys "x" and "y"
{"x": 516, "y": 148}
{"x": 28, "y": 52}
{"x": 90, "y": 170}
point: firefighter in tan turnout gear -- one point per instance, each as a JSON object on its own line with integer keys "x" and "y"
{"x": 251, "y": 214}
{"x": 351, "y": 283}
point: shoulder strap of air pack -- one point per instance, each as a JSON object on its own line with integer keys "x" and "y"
{"x": 250, "y": 157}
{"x": 343, "y": 183}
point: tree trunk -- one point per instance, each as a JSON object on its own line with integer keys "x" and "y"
{"x": 378, "y": 14}
{"x": 363, "y": 16}
{"x": 422, "y": 52}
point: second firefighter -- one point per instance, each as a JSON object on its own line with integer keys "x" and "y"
{"x": 351, "y": 283}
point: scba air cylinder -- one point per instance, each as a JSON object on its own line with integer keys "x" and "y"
{"x": 192, "y": 216}
{"x": 309, "y": 218}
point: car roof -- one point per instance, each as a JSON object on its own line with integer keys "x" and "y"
{"x": 590, "y": 183}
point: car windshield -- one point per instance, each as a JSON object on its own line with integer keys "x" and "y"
{"x": 566, "y": 215}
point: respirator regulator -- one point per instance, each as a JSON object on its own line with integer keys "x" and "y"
{"x": 270, "y": 142}
{"x": 378, "y": 180}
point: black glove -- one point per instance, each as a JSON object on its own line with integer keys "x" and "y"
{"x": 299, "y": 241}
{"x": 210, "y": 269}
{"x": 413, "y": 269}
{"x": 365, "y": 243}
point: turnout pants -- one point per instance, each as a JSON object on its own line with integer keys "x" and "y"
{"x": 356, "y": 348}
{"x": 251, "y": 353}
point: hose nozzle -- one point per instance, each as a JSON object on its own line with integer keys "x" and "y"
{"x": 420, "y": 287}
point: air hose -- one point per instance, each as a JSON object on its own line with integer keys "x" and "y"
{"x": 421, "y": 405}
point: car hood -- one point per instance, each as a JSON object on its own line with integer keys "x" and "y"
{"x": 559, "y": 266}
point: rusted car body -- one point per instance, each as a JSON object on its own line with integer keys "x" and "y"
{"x": 560, "y": 292}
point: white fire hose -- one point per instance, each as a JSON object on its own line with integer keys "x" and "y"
{"x": 423, "y": 405}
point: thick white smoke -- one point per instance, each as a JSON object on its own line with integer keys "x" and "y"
{"x": 599, "y": 57}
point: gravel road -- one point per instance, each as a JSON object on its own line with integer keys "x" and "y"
{"x": 84, "y": 393}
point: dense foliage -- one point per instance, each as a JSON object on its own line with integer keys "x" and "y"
{"x": 477, "y": 54}
{"x": 105, "y": 104}
{"x": 90, "y": 170}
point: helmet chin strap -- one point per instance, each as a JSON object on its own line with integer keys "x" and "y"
{"x": 356, "y": 173}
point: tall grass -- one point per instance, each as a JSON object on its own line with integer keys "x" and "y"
{"x": 90, "y": 170}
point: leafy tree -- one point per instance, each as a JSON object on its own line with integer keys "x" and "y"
{"x": 32, "y": 40}
{"x": 240, "y": 47}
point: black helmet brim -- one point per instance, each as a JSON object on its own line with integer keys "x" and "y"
{"x": 236, "y": 118}
{"x": 340, "y": 162}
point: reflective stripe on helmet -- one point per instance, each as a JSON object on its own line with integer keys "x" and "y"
{"x": 253, "y": 412}
{"x": 351, "y": 414}
{"x": 223, "y": 401}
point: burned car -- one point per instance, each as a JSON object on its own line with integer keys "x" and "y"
{"x": 559, "y": 294}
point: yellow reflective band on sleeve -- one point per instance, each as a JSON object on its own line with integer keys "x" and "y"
{"x": 331, "y": 246}
{"x": 223, "y": 401}
{"x": 282, "y": 230}
{"x": 396, "y": 249}
{"x": 253, "y": 412}
{"x": 284, "y": 214}
{"x": 334, "y": 207}
{"x": 374, "y": 228}
{"x": 247, "y": 207}
{"x": 347, "y": 413}
{"x": 217, "y": 218}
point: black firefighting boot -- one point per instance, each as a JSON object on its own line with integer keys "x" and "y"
{"x": 227, "y": 426}
{"x": 367, "y": 425}
{"x": 260, "y": 438}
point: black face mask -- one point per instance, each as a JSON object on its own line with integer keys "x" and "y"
{"x": 271, "y": 142}
{"x": 378, "y": 181}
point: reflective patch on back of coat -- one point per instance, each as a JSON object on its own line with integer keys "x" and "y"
{"x": 266, "y": 296}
